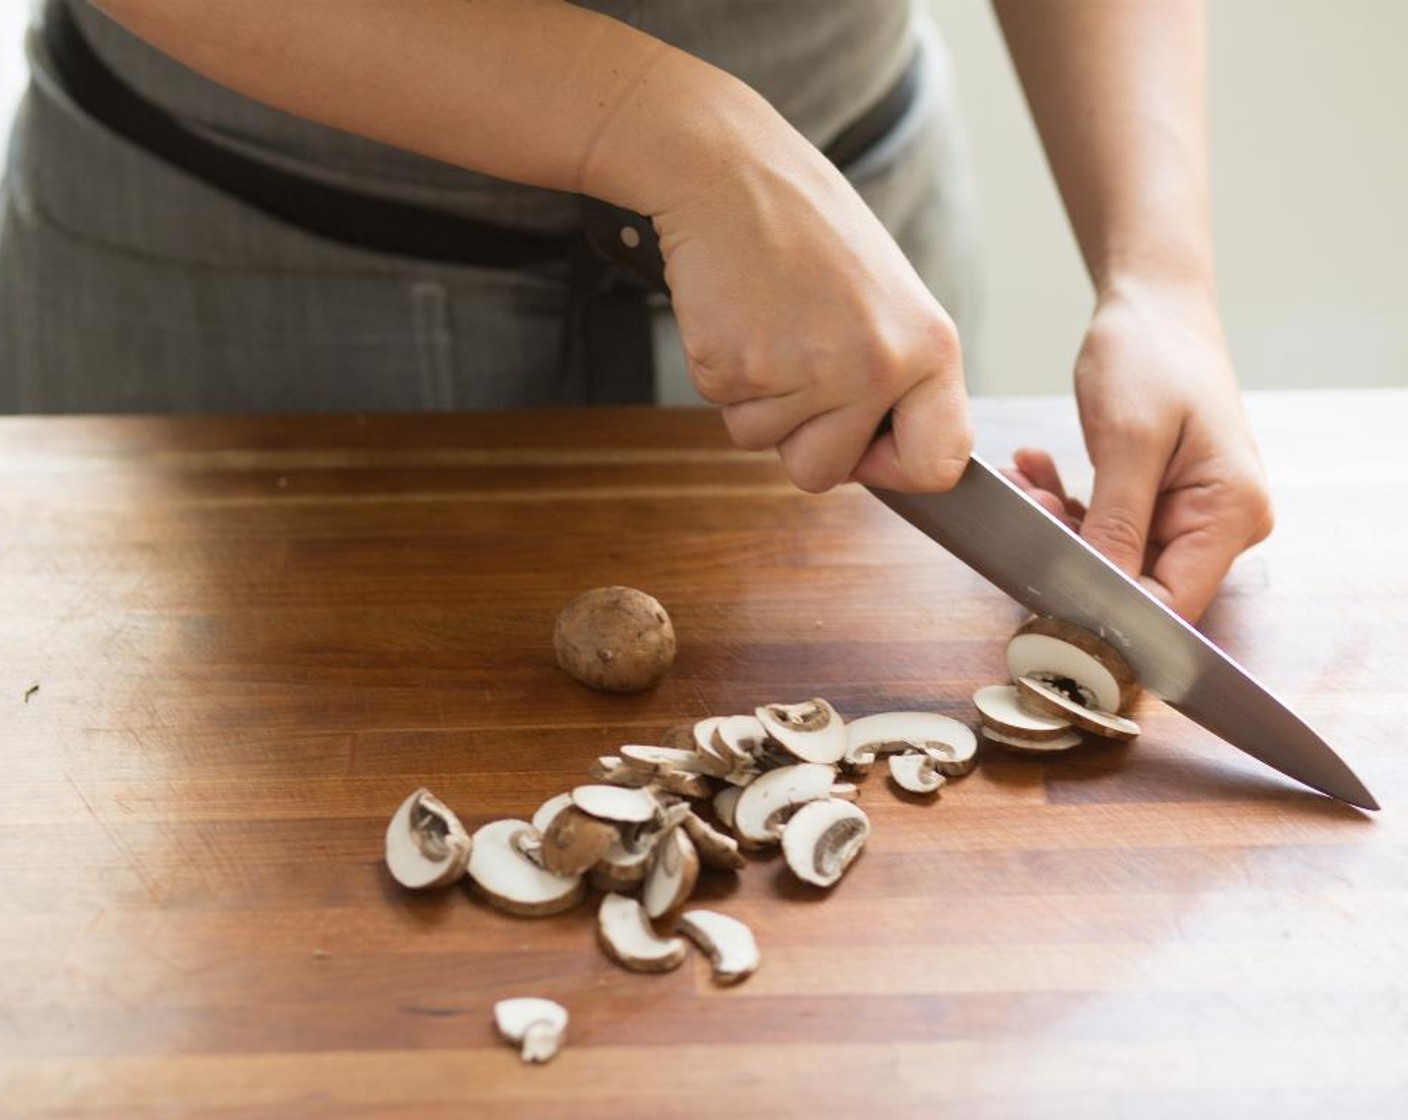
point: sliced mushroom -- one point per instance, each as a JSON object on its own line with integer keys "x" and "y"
{"x": 628, "y": 938}
{"x": 538, "y": 1025}
{"x": 574, "y": 841}
{"x": 695, "y": 786}
{"x": 916, "y": 772}
{"x": 674, "y": 869}
{"x": 1047, "y": 698}
{"x": 715, "y": 849}
{"x": 1001, "y": 710}
{"x": 822, "y": 839}
{"x": 844, "y": 791}
{"x": 616, "y": 771}
{"x": 669, "y": 758}
{"x": 729, "y": 944}
{"x": 1021, "y": 745}
{"x": 889, "y": 732}
{"x": 765, "y": 804}
{"x": 725, "y": 801}
{"x": 739, "y": 737}
{"x": 1055, "y": 651}
{"x": 624, "y": 865}
{"x": 426, "y": 846}
{"x": 509, "y": 878}
{"x": 811, "y": 731}
{"x": 615, "y": 803}
{"x": 549, "y": 809}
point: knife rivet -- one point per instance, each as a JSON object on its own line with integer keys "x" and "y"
{"x": 630, "y": 237}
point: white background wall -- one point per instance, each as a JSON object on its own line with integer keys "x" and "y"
{"x": 1309, "y": 107}
{"x": 1309, "y": 112}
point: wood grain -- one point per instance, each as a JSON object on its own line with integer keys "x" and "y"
{"x": 252, "y": 637}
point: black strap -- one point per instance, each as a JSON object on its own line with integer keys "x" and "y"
{"x": 352, "y": 217}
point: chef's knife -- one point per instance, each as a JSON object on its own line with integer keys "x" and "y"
{"x": 997, "y": 530}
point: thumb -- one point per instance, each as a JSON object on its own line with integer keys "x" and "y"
{"x": 1122, "y": 505}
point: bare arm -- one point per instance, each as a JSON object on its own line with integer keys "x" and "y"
{"x": 753, "y": 220}
{"x": 1117, "y": 92}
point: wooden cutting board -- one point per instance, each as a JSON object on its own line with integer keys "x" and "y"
{"x": 252, "y": 638}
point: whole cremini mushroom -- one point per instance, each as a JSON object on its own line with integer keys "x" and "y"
{"x": 616, "y": 639}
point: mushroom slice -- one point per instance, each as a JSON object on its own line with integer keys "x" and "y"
{"x": 729, "y": 944}
{"x": 822, "y": 839}
{"x": 695, "y": 786}
{"x": 674, "y": 869}
{"x": 725, "y": 801}
{"x": 616, "y": 803}
{"x": 811, "y": 731}
{"x": 628, "y": 938}
{"x": 889, "y": 732}
{"x": 1002, "y": 710}
{"x": 766, "y": 803}
{"x": 1020, "y": 745}
{"x": 715, "y": 849}
{"x": 1052, "y": 650}
{"x": 916, "y": 772}
{"x": 507, "y": 876}
{"x": 1048, "y": 698}
{"x": 426, "y": 846}
{"x": 845, "y": 791}
{"x": 670, "y": 758}
{"x": 538, "y": 1025}
{"x": 574, "y": 841}
{"x": 549, "y": 809}
{"x": 739, "y": 737}
{"x": 616, "y": 771}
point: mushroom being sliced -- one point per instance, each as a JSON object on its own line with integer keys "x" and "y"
{"x": 822, "y": 839}
{"x": 1051, "y": 650}
{"x": 674, "y": 869}
{"x": 1002, "y": 710}
{"x": 507, "y": 876}
{"x": 538, "y": 1025}
{"x": 916, "y": 772}
{"x": 728, "y": 943}
{"x": 811, "y": 731}
{"x": 616, "y": 803}
{"x": 426, "y": 846}
{"x": 574, "y": 841}
{"x": 764, "y": 805}
{"x": 1047, "y": 698}
{"x": 628, "y": 938}
{"x": 1020, "y": 745}
{"x": 889, "y": 732}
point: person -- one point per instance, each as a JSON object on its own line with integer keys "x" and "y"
{"x": 802, "y": 317}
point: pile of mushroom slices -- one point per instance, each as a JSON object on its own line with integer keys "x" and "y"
{"x": 771, "y": 779}
{"x": 1065, "y": 681}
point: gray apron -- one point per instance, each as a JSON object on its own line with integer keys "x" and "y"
{"x": 127, "y": 285}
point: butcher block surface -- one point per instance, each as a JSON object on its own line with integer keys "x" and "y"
{"x": 229, "y": 647}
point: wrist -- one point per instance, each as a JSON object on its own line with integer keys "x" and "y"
{"x": 680, "y": 127}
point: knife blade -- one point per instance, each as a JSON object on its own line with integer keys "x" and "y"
{"x": 997, "y": 530}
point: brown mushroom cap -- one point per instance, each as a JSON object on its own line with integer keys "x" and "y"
{"x": 615, "y": 638}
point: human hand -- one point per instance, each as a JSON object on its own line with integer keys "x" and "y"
{"x": 1179, "y": 489}
{"x": 803, "y": 320}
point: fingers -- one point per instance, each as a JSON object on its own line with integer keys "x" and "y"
{"x": 929, "y": 442}
{"x": 1128, "y": 477}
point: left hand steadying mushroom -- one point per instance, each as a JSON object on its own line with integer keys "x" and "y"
{"x": 1179, "y": 490}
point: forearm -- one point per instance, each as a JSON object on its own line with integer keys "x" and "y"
{"x": 537, "y": 91}
{"x": 1117, "y": 92}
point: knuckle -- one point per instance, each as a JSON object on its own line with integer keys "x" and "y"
{"x": 1260, "y": 516}
{"x": 1117, "y": 533}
